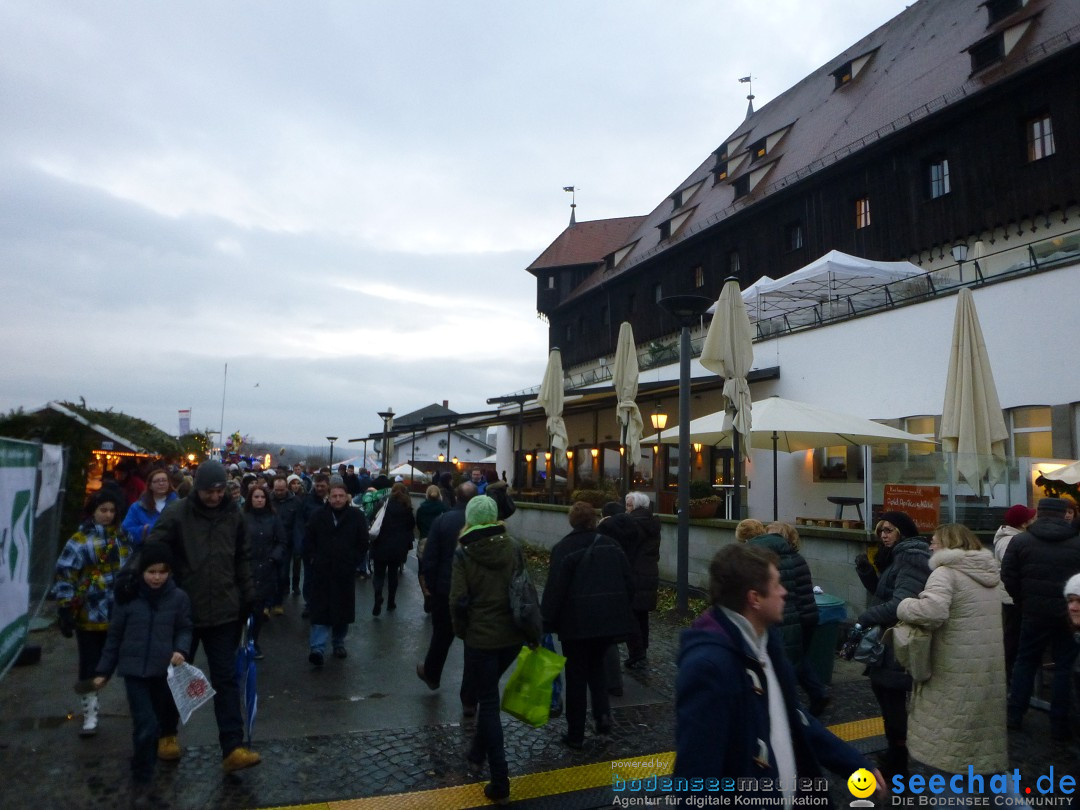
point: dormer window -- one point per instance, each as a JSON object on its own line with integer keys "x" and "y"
{"x": 848, "y": 71}
{"x": 720, "y": 171}
{"x": 683, "y": 195}
{"x": 670, "y": 227}
{"x": 994, "y": 48}
{"x": 998, "y": 10}
{"x": 741, "y": 186}
{"x": 665, "y": 230}
{"x": 985, "y": 53}
{"x": 758, "y": 149}
{"x": 842, "y": 75}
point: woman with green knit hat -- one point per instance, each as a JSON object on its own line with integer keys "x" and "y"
{"x": 484, "y": 563}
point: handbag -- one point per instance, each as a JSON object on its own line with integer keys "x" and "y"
{"x": 870, "y": 649}
{"x": 376, "y": 525}
{"x": 911, "y": 646}
{"x": 528, "y": 691}
{"x": 525, "y": 602}
{"x": 548, "y": 643}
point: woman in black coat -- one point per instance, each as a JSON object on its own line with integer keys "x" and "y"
{"x": 335, "y": 542}
{"x": 900, "y": 571}
{"x": 266, "y": 534}
{"x": 392, "y": 545}
{"x": 587, "y": 602}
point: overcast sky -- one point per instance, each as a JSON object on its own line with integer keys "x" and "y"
{"x": 339, "y": 199}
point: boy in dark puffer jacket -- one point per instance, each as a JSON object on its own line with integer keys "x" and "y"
{"x": 147, "y": 634}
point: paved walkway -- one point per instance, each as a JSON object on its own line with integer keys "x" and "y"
{"x": 362, "y": 727}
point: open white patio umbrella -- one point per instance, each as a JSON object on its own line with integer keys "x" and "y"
{"x": 624, "y": 376}
{"x": 550, "y": 399}
{"x": 728, "y": 351}
{"x": 788, "y": 425}
{"x": 972, "y": 426}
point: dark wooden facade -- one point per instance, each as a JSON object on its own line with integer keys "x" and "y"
{"x": 992, "y": 185}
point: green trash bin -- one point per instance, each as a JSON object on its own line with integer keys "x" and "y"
{"x": 822, "y": 649}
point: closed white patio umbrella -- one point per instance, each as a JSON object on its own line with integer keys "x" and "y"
{"x": 550, "y": 399}
{"x": 624, "y": 377}
{"x": 728, "y": 351}
{"x": 973, "y": 428}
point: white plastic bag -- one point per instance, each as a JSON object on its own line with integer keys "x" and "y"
{"x": 190, "y": 689}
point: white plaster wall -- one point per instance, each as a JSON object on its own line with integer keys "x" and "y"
{"x": 893, "y": 365}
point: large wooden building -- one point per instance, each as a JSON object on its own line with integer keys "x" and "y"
{"x": 949, "y": 138}
{"x": 956, "y": 122}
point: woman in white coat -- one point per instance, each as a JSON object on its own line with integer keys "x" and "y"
{"x": 957, "y": 717}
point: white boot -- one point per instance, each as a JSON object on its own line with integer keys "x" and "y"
{"x": 90, "y": 716}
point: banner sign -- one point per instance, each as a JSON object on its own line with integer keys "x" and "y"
{"x": 922, "y": 504}
{"x": 18, "y": 477}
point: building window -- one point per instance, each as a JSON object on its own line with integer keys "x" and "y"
{"x": 793, "y": 236}
{"x": 569, "y": 334}
{"x": 742, "y": 186}
{"x": 1031, "y": 433}
{"x": 1000, "y": 9}
{"x": 733, "y": 263}
{"x": 985, "y": 53}
{"x": 605, "y": 315}
{"x": 939, "y": 178}
{"x": 699, "y": 276}
{"x": 551, "y": 282}
{"x": 842, "y": 75}
{"x": 862, "y": 212}
{"x": 665, "y": 230}
{"x": 758, "y": 150}
{"x": 1040, "y": 138}
{"x": 631, "y": 302}
{"x": 720, "y": 171}
{"x": 657, "y": 291}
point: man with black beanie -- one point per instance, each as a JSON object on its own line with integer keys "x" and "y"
{"x": 206, "y": 533}
{"x": 1035, "y": 568}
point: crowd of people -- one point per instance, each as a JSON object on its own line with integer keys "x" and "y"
{"x": 207, "y": 551}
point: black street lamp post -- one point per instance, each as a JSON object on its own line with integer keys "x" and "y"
{"x": 331, "y": 439}
{"x": 387, "y": 417}
{"x": 686, "y": 309}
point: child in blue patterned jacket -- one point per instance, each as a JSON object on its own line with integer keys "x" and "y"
{"x": 85, "y": 573}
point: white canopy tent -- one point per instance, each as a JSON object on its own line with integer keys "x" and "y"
{"x": 819, "y": 288}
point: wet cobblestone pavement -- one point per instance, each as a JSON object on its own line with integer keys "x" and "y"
{"x": 361, "y": 727}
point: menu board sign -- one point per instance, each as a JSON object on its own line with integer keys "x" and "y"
{"x": 921, "y": 503}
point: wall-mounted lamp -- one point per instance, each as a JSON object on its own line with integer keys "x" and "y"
{"x": 622, "y": 451}
{"x": 595, "y": 452}
{"x": 697, "y": 447}
{"x": 960, "y": 254}
{"x": 454, "y": 459}
{"x": 442, "y": 457}
{"x": 528, "y": 458}
{"x": 569, "y": 454}
{"x": 656, "y": 449}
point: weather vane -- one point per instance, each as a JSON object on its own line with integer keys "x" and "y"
{"x": 749, "y": 81}
{"x": 573, "y": 202}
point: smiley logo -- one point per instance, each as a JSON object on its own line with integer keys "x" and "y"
{"x": 861, "y": 783}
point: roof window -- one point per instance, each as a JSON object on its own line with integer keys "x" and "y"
{"x": 998, "y": 10}
{"x": 847, "y": 72}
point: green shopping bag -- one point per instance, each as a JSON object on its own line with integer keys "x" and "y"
{"x": 528, "y": 692}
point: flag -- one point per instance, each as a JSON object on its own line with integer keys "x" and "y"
{"x": 744, "y": 79}
{"x": 567, "y": 188}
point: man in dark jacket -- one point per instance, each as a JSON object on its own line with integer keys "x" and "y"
{"x": 309, "y": 505}
{"x": 1035, "y": 568}
{"x": 645, "y": 563}
{"x": 737, "y": 710}
{"x": 435, "y": 568}
{"x": 335, "y": 539}
{"x": 206, "y": 533}
{"x": 285, "y": 506}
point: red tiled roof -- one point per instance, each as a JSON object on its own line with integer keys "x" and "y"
{"x": 587, "y": 242}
